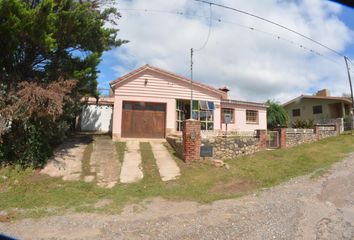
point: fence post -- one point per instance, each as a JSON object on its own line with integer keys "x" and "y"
{"x": 317, "y": 132}
{"x": 262, "y": 135}
{"x": 282, "y": 137}
{"x": 191, "y": 140}
{"x": 340, "y": 124}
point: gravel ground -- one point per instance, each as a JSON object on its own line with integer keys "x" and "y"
{"x": 303, "y": 208}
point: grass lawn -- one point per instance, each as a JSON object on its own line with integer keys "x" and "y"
{"x": 26, "y": 193}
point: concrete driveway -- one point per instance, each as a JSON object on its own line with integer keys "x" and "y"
{"x": 97, "y": 153}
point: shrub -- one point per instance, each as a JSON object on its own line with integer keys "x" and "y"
{"x": 299, "y": 123}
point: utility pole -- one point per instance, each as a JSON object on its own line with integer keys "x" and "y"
{"x": 351, "y": 89}
{"x": 191, "y": 83}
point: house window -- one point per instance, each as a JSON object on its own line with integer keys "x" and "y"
{"x": 204, "y": 112}
{"x": 296, "y": 112}
{"x": 251, "y": 116}
{"x": 227, "y": 111}
{"x": 317, "y": 109}
{"x": 182, "y": 112}
{"x": 201, "y": 110}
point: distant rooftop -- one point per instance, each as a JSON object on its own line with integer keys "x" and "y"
{"x": 321, "y": 94}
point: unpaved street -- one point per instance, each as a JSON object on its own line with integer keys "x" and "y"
{"x": 303, "y": 208}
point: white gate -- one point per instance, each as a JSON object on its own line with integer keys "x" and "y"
{"x": 96, "y": 118}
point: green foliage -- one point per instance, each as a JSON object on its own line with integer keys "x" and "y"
{"x": 299, "y": 123}
{"x": 42, "y": 42}
{"x": 31, "y": 144}
{"x": 276, "y": 115}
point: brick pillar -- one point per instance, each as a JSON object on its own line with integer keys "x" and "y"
{"x": 262, "y": 135}
{"x": 317, "y": 132}
{"x": 337, "y": 126}
{"x": 282, "y": 137}
{"x": 191, "y": 140}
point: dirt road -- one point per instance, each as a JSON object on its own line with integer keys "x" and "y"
{"x": 303, "y": 208}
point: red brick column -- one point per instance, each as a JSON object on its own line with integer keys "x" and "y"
{"x": 191, "y": 140}
{"x": 317, "y": 132}
{"x": 262, "y": 135}
{"x": 282, "y": 137}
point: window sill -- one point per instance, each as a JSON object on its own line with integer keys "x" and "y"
{"x": 252, "y": 123}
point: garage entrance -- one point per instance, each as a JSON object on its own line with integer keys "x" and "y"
{"x": 143, "y": 120}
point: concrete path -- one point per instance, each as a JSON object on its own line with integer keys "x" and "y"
{"x": 131, "y": 167}
{"x": 105, "y": 162}
{"x": 66, "y": 162}
{"x": 167, "y": 166}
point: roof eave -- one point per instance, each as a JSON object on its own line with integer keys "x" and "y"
{"x": 164, "y": 72}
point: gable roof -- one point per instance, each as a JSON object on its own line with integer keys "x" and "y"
{"x": 166, "y": 73}
{"x": 344, "y": 99}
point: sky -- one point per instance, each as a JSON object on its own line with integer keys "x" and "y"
{"x": 267, "y": 62}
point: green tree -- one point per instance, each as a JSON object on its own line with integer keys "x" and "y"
{"x": 276, "y": 115}
{"x": 45, "y": 44}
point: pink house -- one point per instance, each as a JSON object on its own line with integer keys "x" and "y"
{"x": 151, "y": 103}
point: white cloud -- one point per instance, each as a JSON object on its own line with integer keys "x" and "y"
{"x": 256, "y": 66}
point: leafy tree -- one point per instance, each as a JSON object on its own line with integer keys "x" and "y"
{"x": 276, "y": 115}
{"x": 49, "y": 52}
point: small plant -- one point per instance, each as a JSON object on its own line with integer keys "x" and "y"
{"x": 299, "y": 123}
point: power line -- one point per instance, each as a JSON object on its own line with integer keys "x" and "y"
{"x": 209, "y": 31}
{"x": 272, "y": 22}
{"x": 253, "y": 29}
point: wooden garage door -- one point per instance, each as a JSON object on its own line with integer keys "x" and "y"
{"x": 143, "y": 120}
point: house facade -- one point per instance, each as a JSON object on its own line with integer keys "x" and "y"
{"x": 320, "y": 107}
{"x": 150, "y": 102}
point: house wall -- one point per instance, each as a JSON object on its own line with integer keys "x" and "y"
{"x": 154, "y": 87}
{"x": 240, "y": 124}
{"x": 306, "y": 111}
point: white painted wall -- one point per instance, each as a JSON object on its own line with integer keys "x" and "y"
{"x": 97, "y": 118}
{"x": 240, "y": 124}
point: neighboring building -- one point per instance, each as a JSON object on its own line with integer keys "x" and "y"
{"x": 320, "y": 107}
{"x": 151, "y": 103}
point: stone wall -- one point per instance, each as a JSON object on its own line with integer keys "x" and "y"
{"x": 299, "y": 136}
{"x": 230, "y": 147}
{"x": 326, "y": 131}
{"x": 176, "y": 143}
{"x": 233, "y": 146}
{"x": 293, "y": 137}
{"x": 223, "y": 148}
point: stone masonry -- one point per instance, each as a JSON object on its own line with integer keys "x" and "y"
{"x": 230, "y": 147}
{"x": 299, "y": 136}
{"x": 290, "y": 137}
